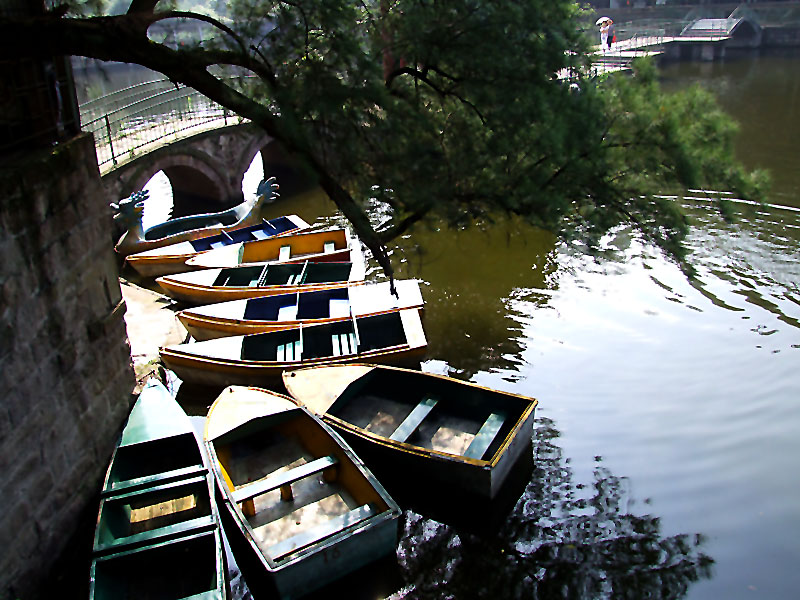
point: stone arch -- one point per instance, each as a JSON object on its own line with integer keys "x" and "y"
{"x": 197, "y": 186}
{"x": 745, "y": 34}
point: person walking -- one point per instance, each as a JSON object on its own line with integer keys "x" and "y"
{"x": 610, "y": 35}
{"x": 604, "y": 35}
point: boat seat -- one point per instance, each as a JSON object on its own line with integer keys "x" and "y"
{"x": 485, "y": 436}
{"x": 289, "y": 351}
{"x": 134, "y": 485}
{"x": 324, "y": 530}
{"x": 343, "y": 343}
{"x": 328, "y": 247}
{"x": 285, "y": 253}
{"x": 294, "y": 279}
{"x": 412, "y": 422}
{"x": 259, "y": 234}
{"x": 283, "y": 480}
{"x": 287, "y": 313}
{"x": 339, "y": 307}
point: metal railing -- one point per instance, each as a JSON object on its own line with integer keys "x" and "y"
{"x": 146, "y": 115}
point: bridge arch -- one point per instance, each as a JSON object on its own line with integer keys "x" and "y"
{"x": 205, "y": 170}
{"x": 197, "y": 186}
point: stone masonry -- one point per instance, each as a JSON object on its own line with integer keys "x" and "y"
{"x": 65, "y": 363}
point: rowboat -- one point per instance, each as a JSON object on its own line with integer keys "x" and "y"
{"x": 450, "y": 433}
{"x": 129, "y": 213}
{"x": 251, "y": 281}
{"x": 172, "y": 258}
{"x": 283, "y": 311}
{"x": 259, "y": 359}
{"x": 299, "y": 508}
{"x": 325, "y": 245}
{"x": 158, "y": 525}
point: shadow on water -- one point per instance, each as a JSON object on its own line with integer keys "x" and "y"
{"x": 561, "y": 540}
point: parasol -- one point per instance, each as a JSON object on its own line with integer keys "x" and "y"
{"x": 602, "y": 19}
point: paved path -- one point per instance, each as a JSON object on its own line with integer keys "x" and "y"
{"x": 151, "y": 323}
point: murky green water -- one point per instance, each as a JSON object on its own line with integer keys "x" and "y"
{"x": 666, "y": 451}
{"x": 666, "y": 447}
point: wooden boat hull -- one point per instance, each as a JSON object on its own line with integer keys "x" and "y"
{"x": 209, "y": 286}
{"x": 320, "y": 246}
{"x": 156, "y": 505}
{"x": 172, "y": 258}
{"x": 391, "y": 338}
{"x": 308, "y": 307}
{"x": 469, "y": 444}
{"x": 298, "y": 506}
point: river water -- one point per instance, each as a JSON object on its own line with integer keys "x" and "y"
{"x": 666, "y": 451}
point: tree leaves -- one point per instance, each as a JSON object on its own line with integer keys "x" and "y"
{"x": 440, "y": 109}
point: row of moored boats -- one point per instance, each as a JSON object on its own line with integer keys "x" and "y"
{"x": 321, "y": 415}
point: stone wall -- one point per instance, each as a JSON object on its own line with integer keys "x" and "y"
{"x": 65, "y": 365}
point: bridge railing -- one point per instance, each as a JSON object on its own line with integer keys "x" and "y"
{"x": 145, "y": 115}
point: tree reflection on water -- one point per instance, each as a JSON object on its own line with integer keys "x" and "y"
{"x": 555, "y": 543}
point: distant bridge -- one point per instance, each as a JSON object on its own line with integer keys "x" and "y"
{"x": 698, "y": 39}
{"x": 201, "y": 147}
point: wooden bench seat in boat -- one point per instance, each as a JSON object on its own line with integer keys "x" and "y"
{"x": 339, "y": 307}
{"x": 412, "y": 422}
{"x": 283, "y": 480}
{"x": 485, "y": 436}
{"x": 343, "y": 343}
{"x": 158, "y": 519}
{"x": 133, "y": 485}
{"x": 287, "y": 313}
{"x": 315, "y": 534}
{"x": 290, "y": 351}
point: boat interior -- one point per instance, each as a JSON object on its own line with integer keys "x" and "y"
{"x": 284, "y": 274}
{"x": 185, "y": 568}
{"x": 341, "y": 338}
{"x": 135, "y": 465}
{"x": 261, "y": 231}
{"x": 461, "y": 420}
{"x": 135, "y": 518}
{"x": 293, "y": 246}
{"x": 183, "y": 224}
{"x": 295, "y": 485}
{"x": 318, "y": 304}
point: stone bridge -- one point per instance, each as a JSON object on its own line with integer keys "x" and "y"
{"x": 205, "y": 170}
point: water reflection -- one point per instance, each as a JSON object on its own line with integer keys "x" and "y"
{"x": 564, "y": 539}
{"x": 471, "y": 279}
{"x": 751, "y": 261}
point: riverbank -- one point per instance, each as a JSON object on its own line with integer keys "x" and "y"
{"x": 151, "y": 323}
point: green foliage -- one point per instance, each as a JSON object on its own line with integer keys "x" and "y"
{"x": 454, "y": 109}
{"x": 458, "y": 110}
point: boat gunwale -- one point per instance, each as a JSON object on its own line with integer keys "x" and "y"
{"x": 421, "y": 451}
{"x": 318, "y": 361}
{"x": 298, "y": 227}
{"x": 198, "y": 321}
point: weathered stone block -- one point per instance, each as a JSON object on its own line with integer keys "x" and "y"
{"x": 55, "y": 254}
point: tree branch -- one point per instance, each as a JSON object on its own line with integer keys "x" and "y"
{"x": 142, "y": 6}
{"x": 123, "y": 38}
